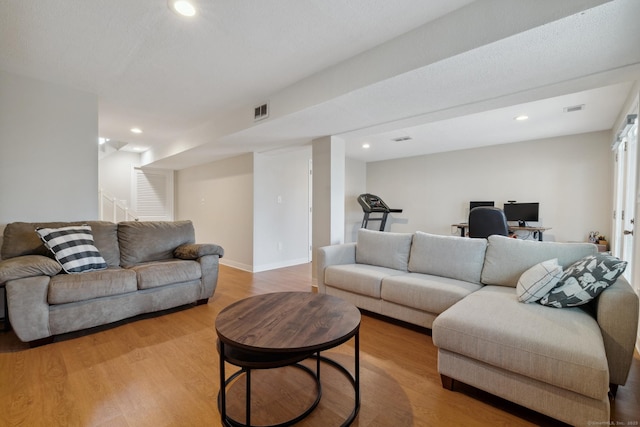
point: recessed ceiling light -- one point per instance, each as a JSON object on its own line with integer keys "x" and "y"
{"x": 366, "y": 145}
{"x": 136, "y": 130}
{"x": 182, "y": 7}
{"x": 102, "y": 140}
{"x": 521, "y": 118}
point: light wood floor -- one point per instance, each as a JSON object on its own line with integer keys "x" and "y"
{"x": 163, "y": 371}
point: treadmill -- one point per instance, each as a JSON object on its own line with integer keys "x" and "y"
{"x": 373, "y": 204}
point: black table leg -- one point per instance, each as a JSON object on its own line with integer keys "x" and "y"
{"x": 223, "y": 398}
{"x": 357, "y": 368}
{"x": 6, "y": 325}
{"x": 248, "y": 398}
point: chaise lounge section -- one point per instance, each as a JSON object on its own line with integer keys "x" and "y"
{"x": 562, "y": 362}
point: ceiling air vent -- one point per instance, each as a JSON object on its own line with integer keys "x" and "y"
{"x": 574, "y": 108}
{"x": 261, "y": 112}
{"x": 402, "y": 138}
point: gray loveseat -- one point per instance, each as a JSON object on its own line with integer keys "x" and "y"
{"x": 561, "y": 362}
{"x": 152, "y": 266}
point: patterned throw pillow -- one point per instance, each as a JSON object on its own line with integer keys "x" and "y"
{"x": 585, "y": 280}
{"x": 537, "y": 281}
{"x": 73, "y": 248}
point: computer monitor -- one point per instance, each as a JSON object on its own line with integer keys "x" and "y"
{"x": 475, "y": 204}
{"x": 521, "y": 212}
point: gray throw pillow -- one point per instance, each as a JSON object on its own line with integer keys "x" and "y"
{"x": 585, "y": 280}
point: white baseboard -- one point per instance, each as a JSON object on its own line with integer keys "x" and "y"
{"x": 264, "y": 267}
{"x": 281, "y": 264}
{"x": 234, "y": 264}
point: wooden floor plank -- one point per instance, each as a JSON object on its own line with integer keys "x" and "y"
{"x": 162, "y": 370}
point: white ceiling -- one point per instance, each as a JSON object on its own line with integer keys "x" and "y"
{"x": 451, "y": 74}
{"x": 547, "y": 118}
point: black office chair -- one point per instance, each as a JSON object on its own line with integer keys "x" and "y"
{"x": 485, "y": 221}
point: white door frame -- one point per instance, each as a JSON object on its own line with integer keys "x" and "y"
{"x": 310, "y": 175}
{"x": 625, "y": 240}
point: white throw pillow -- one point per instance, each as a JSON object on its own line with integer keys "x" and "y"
{"x": 537, "y": 281}
{"x": 73, "y": 247}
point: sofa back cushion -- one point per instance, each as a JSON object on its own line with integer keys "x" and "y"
{"x": 145, "y": 241}
{"x": 506, "y": 259}
{"x": 105, "y": 236}
{"x": 384, "y": 249}
{"x": 20, "y": 238}
{"x": 447, "y": 256}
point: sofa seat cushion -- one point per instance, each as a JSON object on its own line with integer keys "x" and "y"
{"x": 162, "y": 273}
{"x": 65, "y": 288}
{"x": 563, "y": 348}
{"x": 363, "y": 279}
{"x": 425, "y": 292}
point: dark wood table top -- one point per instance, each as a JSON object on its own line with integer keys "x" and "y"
{"x": 287, "y": 322}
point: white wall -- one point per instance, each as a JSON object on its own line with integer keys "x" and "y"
{"x": 355, "y": 184}
{"x": 281, "y": 209}
{"x": 328, "y": 191}
{"x": 570, "y": 176}
{"x": 218, "y": 198}
{"x": 48, "y": 151}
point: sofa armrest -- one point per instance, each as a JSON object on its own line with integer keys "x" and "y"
{"x": 28, "y": 307}
{"x": 333, "y": 255}
{"x": 210, "y": 269}
{"x": 192, "y": 251}
{"x": 27, "y": 266}
{"x": 617, "y": 315}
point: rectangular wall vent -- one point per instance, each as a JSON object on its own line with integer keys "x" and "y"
{"x": 402, "y": 138}
{"x": 261, "y": 112}
{"x": 574, "y": 108}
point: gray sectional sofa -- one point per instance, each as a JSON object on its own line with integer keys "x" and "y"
{"x": 151, "y": 266}
{"x": 562, "y": 362}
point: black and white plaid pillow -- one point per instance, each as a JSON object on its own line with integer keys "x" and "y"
{"x": 73, "y": 247}
{"x": 537, "y": 281}
{"x": 585, "y": 280}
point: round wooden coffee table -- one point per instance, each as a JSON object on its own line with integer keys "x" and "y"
{"x": 282, "y": 329}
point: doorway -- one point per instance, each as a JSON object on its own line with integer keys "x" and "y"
{"x": 152, "y": 194}
{"x": 626, "y": 194}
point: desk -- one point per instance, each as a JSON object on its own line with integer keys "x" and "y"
{"x": 462, "y": 226}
